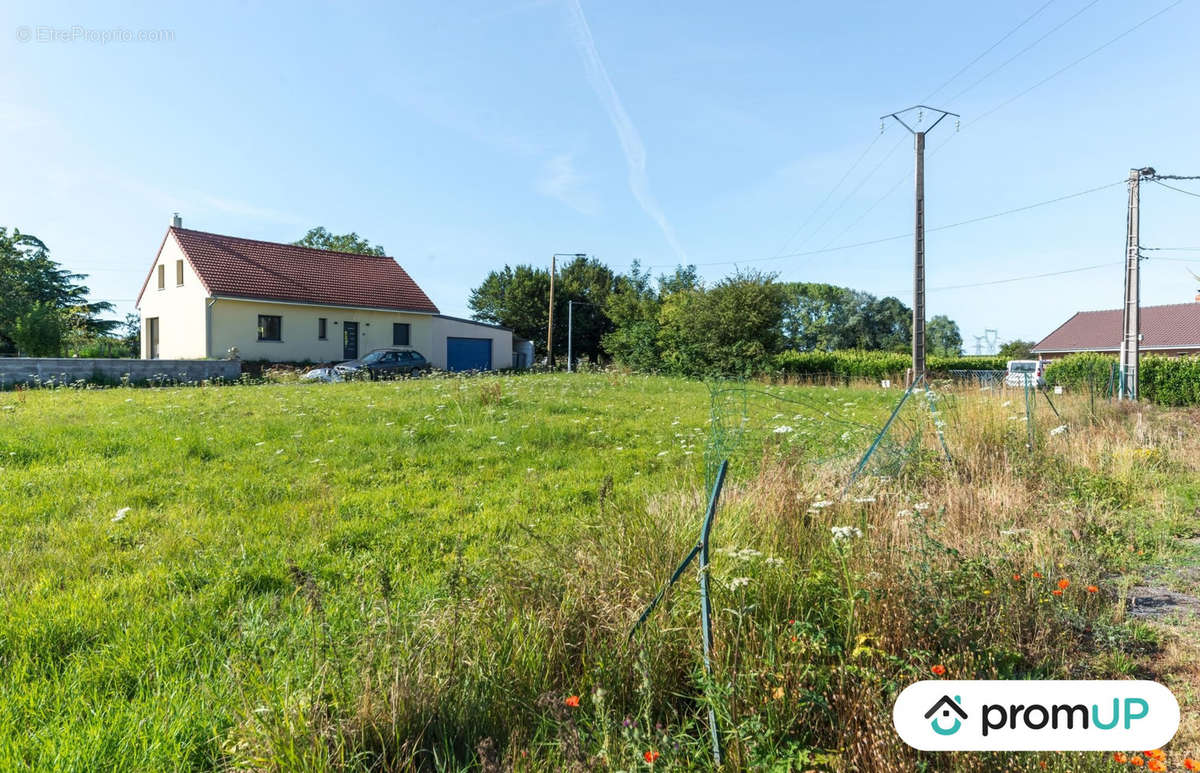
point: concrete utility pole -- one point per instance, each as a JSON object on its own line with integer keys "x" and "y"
{"x": 550, "y": 323}
{"x": 1131, "y": 326}
{"x": 570, "y": 325}
{"x": 918, "y": 332}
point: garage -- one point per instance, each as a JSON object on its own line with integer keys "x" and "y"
{"x": 468, "y": 353}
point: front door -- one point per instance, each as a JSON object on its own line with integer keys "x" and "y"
{"x": 152, "y": 336}
{"x": 350, "y": 340}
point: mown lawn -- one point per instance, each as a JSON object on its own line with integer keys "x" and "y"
{"x": 131, "y": 641}
{"x": 379, "y": 576}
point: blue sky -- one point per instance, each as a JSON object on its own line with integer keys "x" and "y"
{"x": 467, "y": 135}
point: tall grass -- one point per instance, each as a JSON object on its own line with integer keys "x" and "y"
{"x": 418, "y": 575}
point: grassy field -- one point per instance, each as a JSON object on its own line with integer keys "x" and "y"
{"x": 420, "y": 574}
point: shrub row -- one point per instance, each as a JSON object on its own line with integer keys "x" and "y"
{"x": 873, "y": 365}
{"x": 1164, "y": 380}
{"x": 1170, "y": 380}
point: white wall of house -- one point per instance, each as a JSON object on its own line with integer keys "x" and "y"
{"x": 179, "y": 308}
{"x": 444, "y": 328}
{"x": 235, "y": 323}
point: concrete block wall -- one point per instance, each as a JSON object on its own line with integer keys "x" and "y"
{"x": 31, "y": 370}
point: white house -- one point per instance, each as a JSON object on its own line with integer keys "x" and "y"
{"x": 207, "y": 293}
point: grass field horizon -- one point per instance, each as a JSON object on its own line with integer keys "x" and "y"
{"x": 419, "y": 574}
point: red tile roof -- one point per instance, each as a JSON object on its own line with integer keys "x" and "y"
{"x": 247, "y": 268}
{"x": 1175, "y": 326}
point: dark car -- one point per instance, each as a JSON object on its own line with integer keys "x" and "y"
{"x": 391, "y": 362}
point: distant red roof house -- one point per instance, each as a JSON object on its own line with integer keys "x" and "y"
{"x": 1172, "y": 329}
{"x": 233, "y": 267}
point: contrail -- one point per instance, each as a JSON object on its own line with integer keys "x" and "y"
{"x": 631, "y": 143}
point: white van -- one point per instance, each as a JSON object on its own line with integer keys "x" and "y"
{"x": 1020, "y": 370}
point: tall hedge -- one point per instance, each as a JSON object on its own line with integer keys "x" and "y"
{"x": 1170, "y": 380}
{"x": 1078, "y": 371}
{"x": 855, "y": 364}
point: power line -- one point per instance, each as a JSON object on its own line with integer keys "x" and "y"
{"x": 907, "y": 235}
{"x": 1023, "y": 278}
{"x": 988, "y": 50}
{"x": 1172, "y": 187}
{"x": 1024, "y": 50}
{"x": 1068, "y": 66}
{"x": 829, "y": 195}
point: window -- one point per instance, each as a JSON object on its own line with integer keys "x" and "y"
{"x": 270, "y": 327}
{"x": 162, "y": 277}
{"x": 178, "y": 272}
{"x": 321, "y": 328}
{"x": 399, "y": 334}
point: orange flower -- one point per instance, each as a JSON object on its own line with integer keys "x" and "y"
{"x": 1136, "y": 761}
{"x": 938, "y": 670}
{"x": 1016, "y": 578}
{"x": 1120, "y": 758}
{"x": 1093, "y": 589}
{"x": 572, "y": 701}
{"x": 1063, "y": 583}
{"x": 1037, "y": 575}
{"x": 1157, "y": 754}
{"x": 1056, "y": 592}
{"x": 1157, "y": 766}
{"x": 1191, "y": 764}
{"x": 650, "y": 756}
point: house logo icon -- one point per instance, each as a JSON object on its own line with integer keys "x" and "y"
{"x": 944, "y": 707}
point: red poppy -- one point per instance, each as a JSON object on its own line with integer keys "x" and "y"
{"x": 938, "y": 670}
{"x": 572, "y": 701}
{"x": 1037, "y": 575}
{"x": 1056, "y": 592}
{"x": 1064, "y": 583}
{"x": 1191, "y": 764}
{"x": 1016, "y": 577}
{"x": 650, "y": 756}
{"x": 1093, "y": 589}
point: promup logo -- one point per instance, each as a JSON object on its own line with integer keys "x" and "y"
{"x": 1035, "y": 716}
{"x": 945, "y": 706}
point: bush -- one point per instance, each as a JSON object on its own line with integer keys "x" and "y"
{"x": 1170, "y": 380}
{"x": 1083, "y": 370}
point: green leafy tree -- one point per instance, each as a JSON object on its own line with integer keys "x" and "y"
{"x": 28, "y": 277}
{"x": 1017, "y": 350}
{"x": 131, "y": 334}
{"x": 887, "y": 326}
{"x": 39, "y": 331}
{"x": 516, "y": 298}
{"x": 942, "y": 337}
{"x": 319, "y": 238}
{"x": 732, "y": 328}
{"x": 519, "y": 298}
{"x": 633, "y": 307}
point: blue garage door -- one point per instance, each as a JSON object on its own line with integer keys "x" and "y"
{"x": 468, "y": 354}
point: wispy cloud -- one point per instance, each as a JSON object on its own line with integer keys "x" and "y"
{"x": 559, "y": 180}
{"x": 631, "y": 142}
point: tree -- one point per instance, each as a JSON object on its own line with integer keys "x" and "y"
{"x": 28, "y": 277}
{"x": 633, "y": 308}
{"x": 942, "y": 337}
{"x": 729, "y": 329}
{"x": 39, "y": 331}
{"x": 888, "y": 326}
{"x": 131, "y": 334}
{"x": 319, "y": 238}
{"x": 519, "y": 298}
{"x": 1017, "y": 350}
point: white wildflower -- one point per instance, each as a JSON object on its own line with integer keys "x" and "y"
{"x": 822, "y": 503}
{"x": 663, "y": 453}
{"x": 1059, "y": 430}
{"x": 864, "y": 500}
{"x": 842, "y": 533}
{"x": 782, "y": 429}
{"x": 738, "y": 582}
{"x": 1006, "y": 403}
{"x": 261, "y": 443}
{"x": 921, "y": 506}
{"x": 120, "y": 516}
